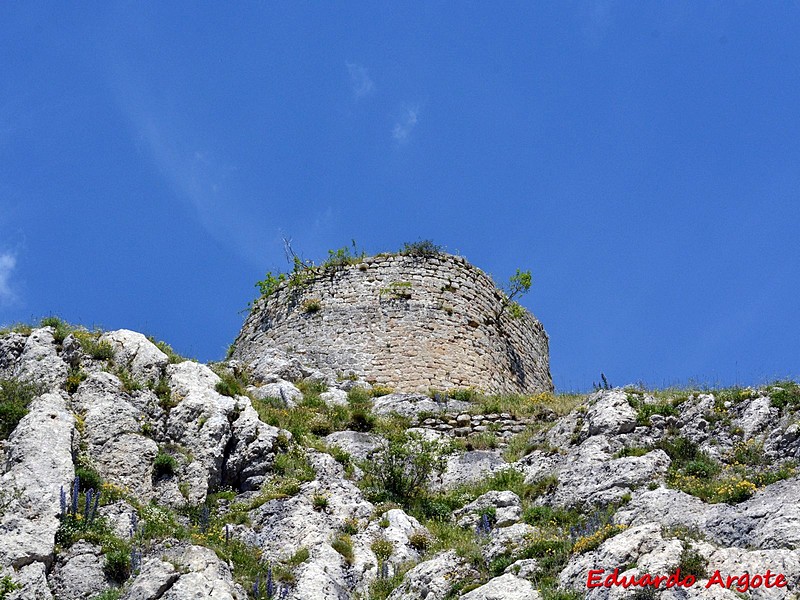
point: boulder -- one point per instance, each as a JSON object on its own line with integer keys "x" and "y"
{"x": 505, "y": 587}
{"x": 78, "y": 574}
{"x": 606, "y": 482}
{"x": 134, "y": 352}
{"x": 285, "y": 392}
{"x": 31, "y": 485}
{"x": 406, "y": 405}
{"x": 40, "y": 362}
{"x": 609, "y": 413}
{"x": 506, "y": 506}
{"x": 471, "y": 466}
{"x": 358, "y": 445}
{"x": 433, "y": 579}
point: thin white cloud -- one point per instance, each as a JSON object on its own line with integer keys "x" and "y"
{"x": 8, "y": 263}
{"x": 360, "y": 81}
{"x": 402, "y": 129}
{"x": 197, "y": 175}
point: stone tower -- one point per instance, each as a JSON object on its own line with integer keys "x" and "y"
{"x": 413, "y": 323}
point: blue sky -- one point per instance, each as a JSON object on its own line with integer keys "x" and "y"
{"x": 641, "y": 159}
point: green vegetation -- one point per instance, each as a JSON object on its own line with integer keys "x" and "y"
{"x": 401, "y": 471}
{"x": 785, "y": 395}
{"x": 398, "y": 290}
{"x": 692, "y": 563}
{"x": 164, "y": 465}
{"x": 98, "y": 350}
{"x": 7, "y": 585}
{"x": 645, "y": 410}
{"x": 518, "y": 285}
{"x": 15, "y": 396}
{"x": 174, "y": 357}
{"x": 422, "y": 248}
{"x": 61, "y": 329}
{"x": 312, "y": 306}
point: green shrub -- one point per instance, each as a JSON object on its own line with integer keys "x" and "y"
{"x": 75, "y": 377}
{"x": 692, "y": 563}
{"x": 99, "y": 350}
{"x": 15, "y": 396}
{"x": 320, "y": 502}
{"x": 109, "y": 594}
{"x": 422, "y": 248}
{"x": 7, "y": 585}
{"x": 61, "y": 329}
{"x": 785, "y": 394}
{"x": 401, "y": 470}
{"x": 165, "y": 465}
{"x": 294, "y": 464}
{"x": 382, "y": 548}
{"x": 129, "y": 384}
{"x": 89, "y": 478}
{"x": 344, "y": 256}
{"x": 229, "y": 385}
{"x": 173, "y": 357}
{"x": 312, "y": 306}
{"x": 344, "y": 546}
{"x": 117, "y": 565}
{"x": 270, "y": 283}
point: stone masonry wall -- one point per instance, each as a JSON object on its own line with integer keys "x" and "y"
{"x": 411, "y": 323}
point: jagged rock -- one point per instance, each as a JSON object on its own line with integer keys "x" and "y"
{"x": 282, "y": 526}
{"x": 399, "y": 529}
{"x": 606, "y": 482}
{"x": 11, "y": 348}
{"x": 505, "y": 587}
{"x": 31, "y": 485}
{"x": 334, "y": 397}
{"x": 121, "y": 516}
{"x": 358, "y": 445}
{"x": 757, "y": 417}
{"x": 40, "y": 362}
{"x": 272, "y": 364}
{"x": 406, "y": 405}
{"x": 433, "y": 579}
{"x": 222, "y": 434}
{"x": 78, "y": 574}
{"x": 250, "y": 449}
{"x": 122, "y": 455}
{"x": 770, "y": 519}
{"x": 284, "y": 391}
{"x": 203, "y": 575}
{"x": 731, "y": 561}
{"x": 506, "y": 505}
{"x": 471, "y": 466}
{"x": 642, "y": 545}
{"x": 137, "y": 354}
{"x": 321, "y": 577}
{"x": 507, "y": 541}
{"x": 610, "y": 413}
{"x": 32, "y": 582}
{"x": 525, "y": 568}
{"x": 539, "y": 464}
{"x": 155, "y": 577}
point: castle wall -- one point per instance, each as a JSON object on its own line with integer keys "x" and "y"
{"x": 410, "y": 323}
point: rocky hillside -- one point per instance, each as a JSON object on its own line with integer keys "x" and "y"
{"x": 132, "y": 473}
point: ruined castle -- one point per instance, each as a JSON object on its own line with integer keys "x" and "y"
{"x": 413, "y": 323}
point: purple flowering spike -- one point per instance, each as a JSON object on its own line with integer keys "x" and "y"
{"x": 270, "y": 583}
{"x": 96, "y": 502}
{"x": 63, "y": 502}
{"x": 75, "y": 490}
{"x": 87, "y": 509}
